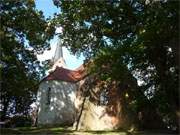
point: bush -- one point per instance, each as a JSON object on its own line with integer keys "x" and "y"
{"x": 19, "y": 121}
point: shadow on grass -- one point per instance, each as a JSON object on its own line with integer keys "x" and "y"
{"x": 69, "y": 131}
{"x": 9, "y": 131}
{"x": 35, "y": 130}
{"x": 57, "y": 130}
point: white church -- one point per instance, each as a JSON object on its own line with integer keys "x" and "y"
{"x": 60, "y": 102}
{"x": 57, "y": 92}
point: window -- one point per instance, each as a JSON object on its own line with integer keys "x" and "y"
{"x": 48, "y": 96}
{"x": 103, "y": 97}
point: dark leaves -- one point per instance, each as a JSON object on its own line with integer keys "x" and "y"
{"x": 24, "y": 33}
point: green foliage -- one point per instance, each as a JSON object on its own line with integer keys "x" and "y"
{"x": 128, "y": 40}
{"x": 24, "y": 33}
{"x": 19, "y": 121}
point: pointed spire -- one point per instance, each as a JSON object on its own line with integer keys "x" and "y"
{"x": 58, "y": 52}
{"x": 58, "y": 60}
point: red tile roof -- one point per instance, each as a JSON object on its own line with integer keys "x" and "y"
{"x": 68, "y": 75}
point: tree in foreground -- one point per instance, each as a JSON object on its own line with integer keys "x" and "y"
{"x": 130, "y": 40}
{"x": 24, "y": 33}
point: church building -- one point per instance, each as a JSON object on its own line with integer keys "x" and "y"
{"x": 56, "y": 93}
{"x": 64, "y": 98}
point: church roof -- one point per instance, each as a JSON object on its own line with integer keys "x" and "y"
{"x": 67, "y": 75}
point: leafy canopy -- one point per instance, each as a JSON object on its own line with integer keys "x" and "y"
{"x": 129, "y": 38}
{"x": 24, "y": 33}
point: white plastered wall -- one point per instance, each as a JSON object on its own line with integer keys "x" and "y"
{"x": 61, "y": 109}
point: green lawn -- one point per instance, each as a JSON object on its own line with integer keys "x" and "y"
{"x": 69, "y": 131}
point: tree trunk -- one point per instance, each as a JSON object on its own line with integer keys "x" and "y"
{"x": 82, "y": 108}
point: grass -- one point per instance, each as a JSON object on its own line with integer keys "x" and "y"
{"x": 69, "y": 131}
{"x": 56, "y": 130}
{"x": 35, "y": 130}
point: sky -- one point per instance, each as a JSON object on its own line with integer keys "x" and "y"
{"x": 72, "y": 61}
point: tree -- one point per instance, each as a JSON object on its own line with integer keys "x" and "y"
{"x": 24, "y": 33}
{"x": 130, "y": 39}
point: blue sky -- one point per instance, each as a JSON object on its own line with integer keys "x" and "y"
{"x": 49, "y": 9}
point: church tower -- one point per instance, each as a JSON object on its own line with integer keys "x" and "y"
{"x": 58, "y": 60}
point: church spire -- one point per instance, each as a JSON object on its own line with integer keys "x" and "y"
{"x": 58, "y": 60}
{"x": 59, "y": 52}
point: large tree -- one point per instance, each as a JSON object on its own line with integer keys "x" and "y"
{"x": 24, "y": 33}
{"x": 129, "y": 37}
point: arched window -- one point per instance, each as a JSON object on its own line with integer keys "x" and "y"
{"x": 48, "y": 96}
